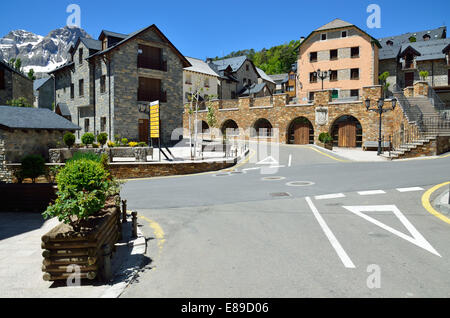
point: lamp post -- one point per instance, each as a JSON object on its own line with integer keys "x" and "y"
{"x": 380, "y": 111}
{"x": 322, "y": 75}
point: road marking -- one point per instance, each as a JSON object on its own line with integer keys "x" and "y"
{"x": 333, "y": 240}
{"x": 251, "y": 169}
{"x": 330, "y": 196}
{"x": 290, "y": 161}
{"x": 268, "y": 161}
{"x": 157, "y": 231}
{"x": 427, "y": 205}
{"x": 416, "y": 239}
{"x": 374, "y": 192}
{"x": 327, "y": 155}
{"x": 410, "y": 189}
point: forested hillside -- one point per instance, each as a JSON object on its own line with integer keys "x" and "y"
{"x": 275, "y": 60}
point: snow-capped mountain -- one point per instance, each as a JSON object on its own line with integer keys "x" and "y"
{"x": 40, "y": 53}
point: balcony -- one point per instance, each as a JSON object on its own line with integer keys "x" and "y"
{"x": 152, "y": 65}
{"x": 409, "y": 65}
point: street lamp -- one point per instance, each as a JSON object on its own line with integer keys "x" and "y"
{"x": 322, "y": 75}
{"x": 380, "y": 111}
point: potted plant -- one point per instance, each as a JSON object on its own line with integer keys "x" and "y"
{"x": 326, "y": 141}
{"x": 88, "y": 139}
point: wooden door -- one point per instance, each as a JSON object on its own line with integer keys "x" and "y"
{"x": 301, "y": 134}
{"x": 144, "y": 128}
{"x": 409, "y": 79}
{"x": 347, "y": 135}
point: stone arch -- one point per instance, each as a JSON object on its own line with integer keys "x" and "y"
{"x": 262, "y": 128}
{"x": 300, "y": 131}
{"x": 347, "y": 132}
{"x": 205, "y": 127}
{"x": 230, "y": 124}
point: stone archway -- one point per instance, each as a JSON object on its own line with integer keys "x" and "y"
{"x": 347, "y": 132}
{"x": 262, "y": 128}
{"x": 300, "y": 132}
{"x": 231, "y": 127}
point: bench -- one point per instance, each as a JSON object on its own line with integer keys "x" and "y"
{"x": 374, "y": 145}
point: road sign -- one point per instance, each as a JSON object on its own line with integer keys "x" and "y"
{"x": 155, "y": 120}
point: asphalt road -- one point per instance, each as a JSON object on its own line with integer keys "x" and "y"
{"x": 308, "y": 228}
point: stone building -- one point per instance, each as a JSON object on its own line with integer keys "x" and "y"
{"x": 199, "y": 77}
{"x": 106, "y": 81}
{"x": 14, "y": 85}
{"x": 29, "y": 131}
{"x": 44, "y": 90}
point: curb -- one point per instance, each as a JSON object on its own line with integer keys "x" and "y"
{"x": 426, "y": 202}
{"x": 139, "y": 248}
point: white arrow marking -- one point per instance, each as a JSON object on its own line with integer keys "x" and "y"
{"x": 268, "y": 161}
{"x": 416, "y": 239}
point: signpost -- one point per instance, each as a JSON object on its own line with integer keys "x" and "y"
{"x": 155, "y": 125}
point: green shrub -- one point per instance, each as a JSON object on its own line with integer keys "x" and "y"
{"x": 85, "y": 156}
{"x": 69, "y": 139}
{"x": 88, "y": 139}
{"x": 325, "y": 138}
{"x": 83, "y": 186}
{"x": 124, "y": 142}
{"x": 95, "y": 146}
{"x": 33, "y": 166}
{"x": 142, "y": 144}
{"x": 102, "y": 139}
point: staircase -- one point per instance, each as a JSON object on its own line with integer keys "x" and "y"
{"x": 428, "y": 119}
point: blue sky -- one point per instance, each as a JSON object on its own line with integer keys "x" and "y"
{"x": 211, "y": 28}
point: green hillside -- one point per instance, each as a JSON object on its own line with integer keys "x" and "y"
{"x": 275, "y": 60}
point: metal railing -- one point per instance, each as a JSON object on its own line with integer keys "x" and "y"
{"x": 407, "y": 135}
{"x": 442, "y": 108}
{"x": 413, "y": 113}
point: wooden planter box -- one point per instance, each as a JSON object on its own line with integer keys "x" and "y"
{"x": 64, "y": 247}
{"x": 328, "y": 146}
{"x": 26, "y": 197}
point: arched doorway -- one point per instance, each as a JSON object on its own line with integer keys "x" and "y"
{"x": 205, "y": 127}
{"x": 230, "y": 127}
{"x": 301, "y": 132}
{"x": 347, "y": 132}
{"x": 263, "y": 128}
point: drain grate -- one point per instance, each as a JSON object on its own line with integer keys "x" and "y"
{"x": 280, "y": 194}
{"x": 300, "y": 184}
{"x": 273, "y": 178}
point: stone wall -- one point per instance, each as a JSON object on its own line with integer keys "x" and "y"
{"x": 147, "y": 170}
{"x": 22, "y": 87}
{"x": 322, "y": 114}
{"x": 46, "y": 95}
{"x": 6, "y": 94}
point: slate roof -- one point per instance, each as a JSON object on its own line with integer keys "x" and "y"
{"x": 113, "y": 34}
{"x": 61, "y": 67}
{"x": 39, "y": 82}
{"x": 429, "y": 50}
{"x": 336, "y": 23}
{"x": 33, "y": 118}
{"x": 280, "y": 78}
{"x": 92, "y": 44}
{"x": 234, "y": 62}
{"x": 200, "y": 66}
{"x": 254, "y": 89}
{"x": 264, "y": 76}
{"x": 392, "y": 51}
{"x": 64, "y": 109}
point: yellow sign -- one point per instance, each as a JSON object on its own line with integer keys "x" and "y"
{"x": 154, "y": 120}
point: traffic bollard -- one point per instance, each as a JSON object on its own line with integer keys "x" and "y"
{"x": 124, "y": 211}
{"x": 134, "y": 225}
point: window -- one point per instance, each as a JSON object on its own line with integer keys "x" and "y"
{"x": 247, "y": 68}
{"x": 2, "y": 79}
{"x": 86, "y": 125}
{"x": 313, "y": 57}
{"x": 292, "y": 77}
{"x": 103, "y": 124}
{"x": 81, "y": 87}
{"x": 311, "y": 96}
{"x": 103, "y": 84}
{"x": 207, "y": 82}
{"x": 334, "y": 76}
{"x": 80, "y": 56}
{"x": 354, "y": 93}
{"x": 355, "y": 52}
{"x": 334, "y": 94}
{"x": 333, "y": 55}
{"x": 323, "y": 37}
{"x": 290, "y": 88}
{"x": 313, "y": 77}
{"x": 72, "y": 91}
{"x": 188, "y": 79}
{"x": 149, "y": 90}
{"x": 151, "y": 58}
{"x": 244, "y": 81}
{"x": 344, "y": 34}
{"x": 354, "y": 73}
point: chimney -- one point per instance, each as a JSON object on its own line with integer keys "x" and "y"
{"x": 209, "y": 60}
{"x": 302, "y": 39}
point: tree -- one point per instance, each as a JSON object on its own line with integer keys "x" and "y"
{"x": 31, "y": 74}
{"x": 383, "y": 79}
{"x": 20, "y": 102}
{"x": 423, "y": 75}
{"x": 18, "y": 65}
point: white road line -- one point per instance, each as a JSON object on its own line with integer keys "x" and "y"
{"x": 334, "y": 242}
{"x": 250, "y": 169}
{"x": 330, "y": 196}
{"x": 410, "y": 189}
{"x": 290, "y": 161}
{"x": 375, "y": 192}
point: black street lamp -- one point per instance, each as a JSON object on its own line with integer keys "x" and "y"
{"x": 380, "y": 111}
{"x": 322, "y": 75}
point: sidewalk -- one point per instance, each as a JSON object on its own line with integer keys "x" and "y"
{"x": 356, "y": 154}
{"x": 21, "y": 261}
{"x": 441, "y": 203}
